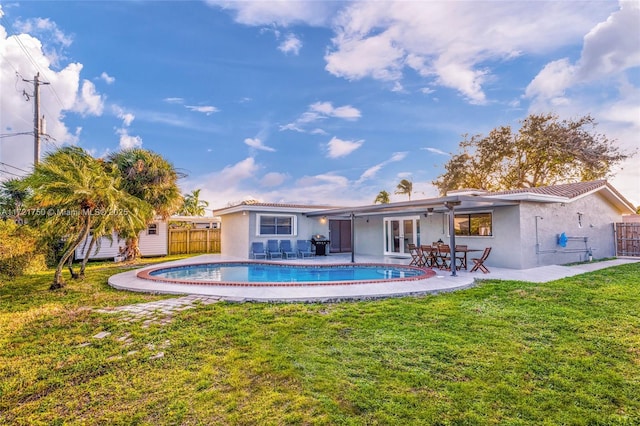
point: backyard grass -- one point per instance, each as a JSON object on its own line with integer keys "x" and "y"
{"x": 504, "y": 352}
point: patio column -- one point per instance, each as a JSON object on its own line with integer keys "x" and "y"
{"x": 353, "y": 237}
{"x": 452, "y": 235}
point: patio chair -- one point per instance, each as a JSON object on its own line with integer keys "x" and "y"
{"x": 461, "y": 257}
{"x": 258, "y": 251}
{"x": 479, "y": 263}
{"x": 273, "y": 250}
{"x": 416, "y": 256}
{"x": 304, "y": 248}
{"x": 444, "y": 256}
{"x": 287, "y": 250}
{"x": 429, "y": 256}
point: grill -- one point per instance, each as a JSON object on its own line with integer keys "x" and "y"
{"x": 320, "y": 242}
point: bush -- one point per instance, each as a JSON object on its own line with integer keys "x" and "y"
{"x": 20, "y": 249}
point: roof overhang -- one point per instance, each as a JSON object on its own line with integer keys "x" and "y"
{"x": 437, "y": 205}
{"x": 267, "y": 208}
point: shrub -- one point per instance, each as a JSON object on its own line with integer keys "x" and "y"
{"x": 20, "y": 249}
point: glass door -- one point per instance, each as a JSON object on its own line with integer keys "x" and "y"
{"x": 399, "y": 233}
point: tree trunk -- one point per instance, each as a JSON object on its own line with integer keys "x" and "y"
{"x": 87, "y": 254}
{"x": 132, "y": 251}
{"x": 70, "y": 266}
{"x": 58, "y": 282}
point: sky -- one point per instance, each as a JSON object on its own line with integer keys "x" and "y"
{"x": 320, "y": 102}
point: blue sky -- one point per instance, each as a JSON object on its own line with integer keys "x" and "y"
{"x": 312, "y": 102}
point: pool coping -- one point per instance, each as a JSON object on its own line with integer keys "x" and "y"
{"x": 439, "y": 283}
{"x": 145, "y": 274}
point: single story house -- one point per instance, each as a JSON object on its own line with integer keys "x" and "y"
{"x": 525, "y": 228}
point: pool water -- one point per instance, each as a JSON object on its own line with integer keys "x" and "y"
{"x": 277, "y": 273}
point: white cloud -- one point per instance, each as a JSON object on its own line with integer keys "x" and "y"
{"x": 346, "y": 112}
{"x": 273, "y": 179}
{"x": 89, "y": 102}
{"x": 608, "y": 50}
{"x": 174, "y": 100}
{"x": 258, "y": 144}
{"x": 340, "y": 148}
{"x": 107, "y": 78}
{"x": 127, "y": 141}
{"x": 279, "y": 12}
{"x": 450, "y": 43}
{"x": 16, "y": 115}
{"x": 436, "y": 151}
{"x": 611, "y": 47}
{"x": 126, "y": 117}
{"x": 291, "y": 44}
{"x": 371, "y": 172}
{"x": 319, "y": 111}
{"x": 206, "y": 109}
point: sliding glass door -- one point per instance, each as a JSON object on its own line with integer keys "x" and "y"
{"x": 399, "y": 232}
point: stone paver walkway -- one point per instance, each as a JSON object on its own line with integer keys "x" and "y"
{"x": 160, "y": 311}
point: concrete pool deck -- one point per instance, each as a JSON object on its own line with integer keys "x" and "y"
{"x": 442, "y": 282}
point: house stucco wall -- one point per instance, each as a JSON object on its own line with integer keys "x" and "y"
{"x": 369, "y": 236}
{"x": 234, "y": 238}
{"x": 240, "y": 230}
{"x": 596, "y": 225}
{"x": 504, "y": 242}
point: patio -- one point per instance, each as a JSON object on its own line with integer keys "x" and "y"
{"x": 442, "y": 282}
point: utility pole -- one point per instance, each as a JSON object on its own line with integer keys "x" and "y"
{"x": 37, "y": 131}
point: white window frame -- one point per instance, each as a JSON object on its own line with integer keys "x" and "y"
{"x": 157, "y": 228}
{"x": 294, "y": 224}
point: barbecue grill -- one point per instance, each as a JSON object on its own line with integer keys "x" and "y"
{"x": 320, "y": 242}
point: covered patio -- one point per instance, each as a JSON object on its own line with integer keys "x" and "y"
{"x": 443, "y": 205}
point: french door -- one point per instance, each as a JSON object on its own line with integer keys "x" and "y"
{"x": 399, "y": 232}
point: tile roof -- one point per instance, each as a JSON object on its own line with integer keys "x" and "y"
{"x": 568, "y": 190}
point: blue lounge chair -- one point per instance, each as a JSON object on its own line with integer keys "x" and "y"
{"x": 304, "y": 248}
{"x": 273, "y": 250}
{"x": 287, "y": 250}
{"x": 258, "y": 251}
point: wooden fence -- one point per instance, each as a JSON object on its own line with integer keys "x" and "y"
{"x": 186, "y": 241}
{"x": 628, "y": 239}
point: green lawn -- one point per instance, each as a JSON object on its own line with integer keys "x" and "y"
{"x": 566, "y": 352}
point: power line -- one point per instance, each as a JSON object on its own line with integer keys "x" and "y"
{"x": 13, "y": 167}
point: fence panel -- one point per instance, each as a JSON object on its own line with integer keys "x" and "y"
{"x": 628, "y": 239}
{"x": 186, "y": 241}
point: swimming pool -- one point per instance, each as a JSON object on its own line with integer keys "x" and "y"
{"x": 278, "y": 274}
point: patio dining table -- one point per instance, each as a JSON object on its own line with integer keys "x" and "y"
{"x": 458, "y": 250}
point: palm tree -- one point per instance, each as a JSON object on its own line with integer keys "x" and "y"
{"x": 12, "y": 196}
{"x": 149, "y": 177}
{"x": 405, "y": 187}
{"x": 70, "y": 191}
{"x": 193, "y": 205}
{"x": 382, "y": 198}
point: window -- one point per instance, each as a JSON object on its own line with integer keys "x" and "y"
{"x": 152, "y": 229}
{"x": 474, "y": 224}
{"x": 276, "y": 225}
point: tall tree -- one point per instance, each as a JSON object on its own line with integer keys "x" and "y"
{"x": 382, "y": 198}
{"x": 12, "y": 197}
{"x": 544, "y": 151}
{"x": 405, "y": 187}
{"x": 69, "y": 192}
{"x": 149, "y": 177}
{"x": 193, "y": 205}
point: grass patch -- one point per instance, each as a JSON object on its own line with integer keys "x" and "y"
{"x": 505, "y": 352}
